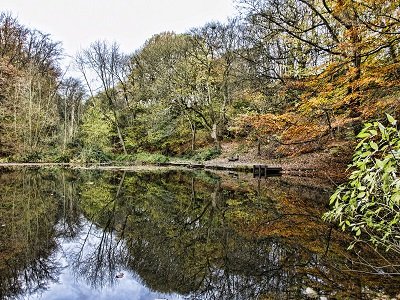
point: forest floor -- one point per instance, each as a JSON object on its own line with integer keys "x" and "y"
{"x": 326, "y": 164}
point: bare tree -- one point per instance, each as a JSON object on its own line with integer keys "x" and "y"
{"x": 72, "y": 93}
{"x": 104, "y": 69}
{"x": 213, "y": 55}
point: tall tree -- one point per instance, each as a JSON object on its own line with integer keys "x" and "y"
{"x": 71, "y": 96}
{"x": 212, "y": 57}
{"x": 104, "y": 68}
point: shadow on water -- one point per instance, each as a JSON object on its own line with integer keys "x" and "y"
{"x": 196, "y": 234}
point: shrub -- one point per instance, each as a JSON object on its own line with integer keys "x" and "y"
{"x": 124, "y": 157}
{"x": 63, "y": 157}
{"x": 207, "y": 154}
{"x": 34, "y": 156}
{"x": 369, "y": 203}
{"x": 151, "y": 157}
{"x": 93, "y": 155}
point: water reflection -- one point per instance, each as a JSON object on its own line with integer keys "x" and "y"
{"x": 160, "y": 234}
{"x": 87, "y": 275}
{"x": 27, "y": 235}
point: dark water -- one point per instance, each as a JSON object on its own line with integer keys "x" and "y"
{"x": 176, "y": 235}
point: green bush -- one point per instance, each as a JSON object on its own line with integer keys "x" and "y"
{"x": 207, "y": 154}
{"x": 93, "y": 155}
{"x": 125, "y": 157}
{"x": 151, "y": 157}
{"x": 63, "y": 157}
{"x": 369, "y": 203}
{"x": 34, "y": 156}
{"x": 4, "y": 159}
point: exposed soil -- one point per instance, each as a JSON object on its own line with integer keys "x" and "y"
{"x": 329, "y": 164}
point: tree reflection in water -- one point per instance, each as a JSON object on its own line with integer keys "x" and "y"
{"x": 198, "y": 234}
{"x": 99, "y": 255}
{"x": 29, "y": 209}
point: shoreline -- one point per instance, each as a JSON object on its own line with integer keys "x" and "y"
{"x": 284, "y": 169}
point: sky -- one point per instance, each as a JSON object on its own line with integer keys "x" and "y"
{"x": 73, "y": 285}
{"x": 77, "y": 23}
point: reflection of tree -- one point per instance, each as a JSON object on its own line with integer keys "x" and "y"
{"x": 190, "y": 233}
{"x": 99, "y": 255}
{"x": 98, "y": 258}
{"x": 68, "y": 213}
{"x": 210, "y": 238}
{"x": 190, "y": 246}
{"x": 29, "y": 213}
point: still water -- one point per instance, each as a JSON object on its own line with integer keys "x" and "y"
{"x": 173, "y": 234}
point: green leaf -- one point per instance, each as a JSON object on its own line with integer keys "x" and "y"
{"x": 374, "y": 145}
{"x": 366, "y": 153}
{"x": 363, "y": 134}
{"x": 370, "y": 199}
{"x": 380, "y": 163}
{"x": 382, "y": 128}
{"x": 391, "y": 119}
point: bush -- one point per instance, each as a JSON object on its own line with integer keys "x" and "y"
{"x": 151, "y": 157}
{"x": 34, "y": 156}
{"x": 124, "y": 157}
{"x": 93, "y": 155}
{"x": 4, "y": 159}
{"x": 369, "y": 203}
{"x": 63, "y": 157}
{"x": 207, "y": 154}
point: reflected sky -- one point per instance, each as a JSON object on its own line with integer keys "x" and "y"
{"x": 72, "y": 287}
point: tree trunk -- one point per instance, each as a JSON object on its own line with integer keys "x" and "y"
{"x": 215, "y": 136}
{"x": 193, "y": 126}
{"x": 328, "y": 119}
{"x": 393, "y": 54}
{"x": 356, "y": 57}
{"x": 121, "y": 139}
{"x": 65, "y": 123}
{"x": 30, "y": 115}
{"x": 72, "y": 129}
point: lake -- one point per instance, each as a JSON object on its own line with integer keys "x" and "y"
{"x": 177, "y": 234}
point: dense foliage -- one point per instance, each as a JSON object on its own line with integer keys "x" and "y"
{"x": 288, "y": 77}
{"x": 38, "y": 110}
{"x": 370, "y": 202}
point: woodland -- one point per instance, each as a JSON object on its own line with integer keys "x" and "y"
{"x": 285, "y": 79}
